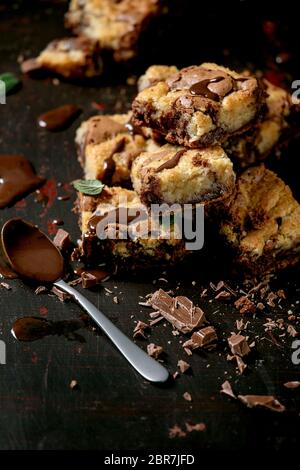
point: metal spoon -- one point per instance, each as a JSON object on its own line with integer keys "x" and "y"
{"x": 33, "y": 256}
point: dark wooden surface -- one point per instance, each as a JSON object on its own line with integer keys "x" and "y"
{"x": 114, "y": 408}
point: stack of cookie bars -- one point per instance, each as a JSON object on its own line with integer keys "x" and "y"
{"x": 194, "y": 136}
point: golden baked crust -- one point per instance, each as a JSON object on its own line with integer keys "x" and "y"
{"x": 155, "y": 74}
{"x": 174, "y": 174}
{"x": 72, "y": 57}
{"x": 200, "y": 105}
{"x": 256, "y": 144}
{"x": 138, "y": 251}
{"x": 106, "y": 148}
{"x": 115, "y": 25}
{"x": 262, "y": 225}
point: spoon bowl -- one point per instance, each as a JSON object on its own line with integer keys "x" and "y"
{"x": 30, "y": 252}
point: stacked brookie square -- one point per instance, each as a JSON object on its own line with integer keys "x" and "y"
{"x": 194, "y": 136}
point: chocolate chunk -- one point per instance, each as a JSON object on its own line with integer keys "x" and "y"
{"x": 59, "y": 118}
{"x": 201, "y": 338}
{"x": 238, "y": 345}
{"x": 102, "y": 128}
{"x": 154, "y": 350}
{"x": 179, "y": 311}
{"x": 63, "y": 296}
{"x": 183, "y": 366}
{"x": 265, "y": 401}
{"x": 88, "y": 280}
{"x": 244, "y": 305}
{"x": 62, "y": 239}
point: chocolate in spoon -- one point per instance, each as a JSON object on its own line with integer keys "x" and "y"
{"x": 33, "y": 256}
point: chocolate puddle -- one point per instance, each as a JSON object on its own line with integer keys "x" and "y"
{"x": 59, "y": 118}
{"x": 30, "y": 252}
{"x": 34, "y": 328}
{"x": 17, "y": 179}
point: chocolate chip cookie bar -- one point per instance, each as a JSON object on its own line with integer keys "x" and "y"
{"x": 269, "y": 134}
{"x": 71, "y": 58}
{"x": 200, "y": 105}
{"x": 106, "y": 148}
{"x": 174, "y": 174}
{"x": 115, "y": 25}
{"x": 262, "y": 225}
{"x": 127, "y": 235}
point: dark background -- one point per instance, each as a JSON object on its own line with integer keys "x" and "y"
{"x": 114, "y": 408}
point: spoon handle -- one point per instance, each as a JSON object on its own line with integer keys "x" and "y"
{"x": 144, "y": 364}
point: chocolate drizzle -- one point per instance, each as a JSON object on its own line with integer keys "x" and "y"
{"x": 201, "y": 88}
{"x": 17, "y": 179}
{"x": 169, "y": 164}
{"x": 109, "y": 164}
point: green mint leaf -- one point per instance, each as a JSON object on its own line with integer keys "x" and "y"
{"x": 90, "y": 187}
{"x": 10, "y": 80}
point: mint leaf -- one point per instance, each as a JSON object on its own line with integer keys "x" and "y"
{"x": 10, "y": 80}
{"x": 90, "y": 187}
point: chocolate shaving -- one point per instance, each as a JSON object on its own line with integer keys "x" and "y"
{"x": 264, "y": 401}
{"x": 187, "y": 396}
{"x": 179, "y": 311}
{"x": 244, "y": 305}
{"x": 195, "y": 427}
{"x": 293, "y": 384}
{"x": 227, "y": 389}
{"x": 183, "y": 366}
{"x": 176, "y": 431}
{"x": 139, "y": 330}
{"x": 154, "y": 350}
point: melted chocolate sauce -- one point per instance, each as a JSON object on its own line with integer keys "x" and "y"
{"x": 59, "y": 118}
{"x": 34, "y": 328}
{"x": 201, "y": 88}
{"x": 172, "y": 162}
{"x": 109, "y": 165}
{"x": 31, "y": 253}
{"x": 17, "y": 179}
